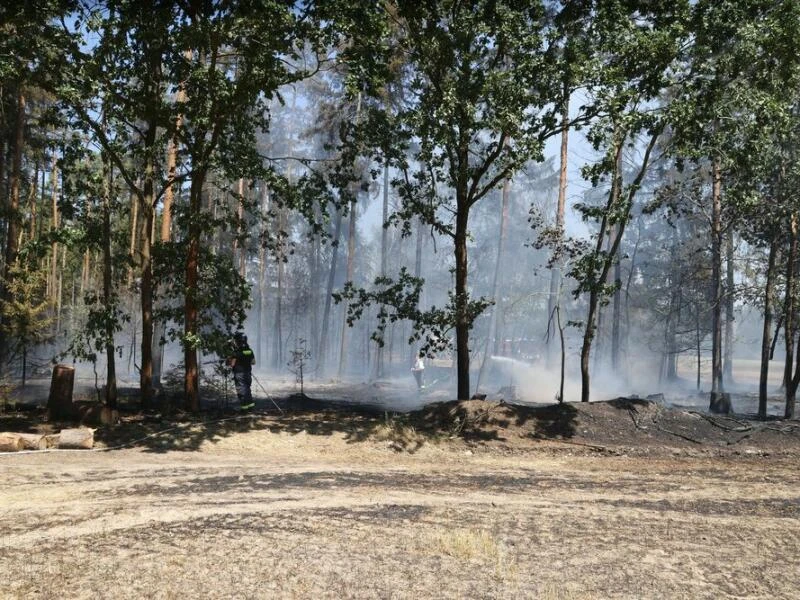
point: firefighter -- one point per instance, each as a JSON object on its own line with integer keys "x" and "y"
{"x": 241, "y": 362}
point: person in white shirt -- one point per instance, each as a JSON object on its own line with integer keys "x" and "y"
{"x": 418, "y": 370}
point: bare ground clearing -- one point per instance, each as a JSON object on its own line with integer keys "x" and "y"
{"x": 622, "y": 499}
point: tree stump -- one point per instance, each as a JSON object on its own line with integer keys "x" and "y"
{"x": 720, "y": 403}
{"x": 10, "y": 442}
{"x": 76, "y": 439}
{"x": 59, "y": 403}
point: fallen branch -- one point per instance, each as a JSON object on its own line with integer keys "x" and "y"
{"x": 744, "y": 437}
{"x": 711, "y": 420}
{"x": 631, "y": 413}
{"x": 786, "y": 431}
{"x": 680, "y": 435}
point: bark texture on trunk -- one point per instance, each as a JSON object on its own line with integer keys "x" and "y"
{"x": 716, "y": 279}
{"x": 277, "y": 356}
{"x": 791, "y": 372}
{"x": 462, "y": 318}
{"x": 108, "y": 292}
{"x": 727, "y": 372}
{"x": 53, "y": 228}
{"x": 192, "y": 374}
{"x": 616, "y": 317}
{"x": 555, "y": 273}
{"x": 379, "y": 359}
{"x": 420, "y": 232}
{"x": 766, "y": 341}
{"x": 147, "y": 209}
{"x": 59, "y": 401}
{"x": 13, "y": 221}
{"x": 261, "y": 339}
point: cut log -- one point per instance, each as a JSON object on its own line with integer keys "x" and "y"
{"x": 11, "y": 442}
{"x": 79, "y": 439}
{"x": 59, "y": 403}
{"x": 33, "y": 441}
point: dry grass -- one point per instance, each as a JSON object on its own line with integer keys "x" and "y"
{"x": 476, "y": 545}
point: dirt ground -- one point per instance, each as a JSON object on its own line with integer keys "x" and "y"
{"x": 622, "y": 499}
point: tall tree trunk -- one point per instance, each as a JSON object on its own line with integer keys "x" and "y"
{"x": 3, "y": 200}
{"x": 351, "y": 251}
{"x": 12, "y": 235}
{"x": 462, "y": 298}
{"x": 277, "y": 345}
{"x": 32, "y": 194}
{"x": 262, "y": 269}
{"x": 671, "y": 371}
{"x": 766, "y": 341}
{"x": 147, "y": 208}
{"x": 616, "y": 318}
{"x": 3, "y": 149}
{"x": 172, "y": 163}
{"x": 727, "y": 374}
{"x": 315, "y": 286}
{"x": 239, "y": 220}
{"x": 323, "y": 340}
{"x": 86, "y": 269}
{"x": 716, "y": 280}
{"x": 698, "y": 347}
{"x": 108, "y": 292}
{"x": 555, "y": 273}
{"x": 53, "y": 228}
{"x": 790, "y": 319}
{"x": 379, "y": 366}
{"x": 132, "y": 251}
{"x": 191, "y": 311}
{"x": 498, "y": 268}
{"x": 413, "y": 351}
{"x": 60, "y": 290}
{"x": 12, "y": 232}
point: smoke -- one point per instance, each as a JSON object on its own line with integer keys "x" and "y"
{"x": 537, "y": 383}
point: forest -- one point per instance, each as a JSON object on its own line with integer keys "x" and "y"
{"x": 603, "y": 190}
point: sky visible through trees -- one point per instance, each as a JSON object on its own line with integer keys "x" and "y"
{"x": 582, "y": 198}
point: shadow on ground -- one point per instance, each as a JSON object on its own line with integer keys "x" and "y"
{"x": 473, "y": 421}
{"x": 621, "y": 425}
{"x": 481, "y": 421}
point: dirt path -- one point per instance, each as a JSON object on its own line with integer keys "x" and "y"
{"x": 279, "y": 513}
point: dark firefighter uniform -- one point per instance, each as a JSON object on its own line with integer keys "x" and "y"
{"x": 241, "y": 361}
